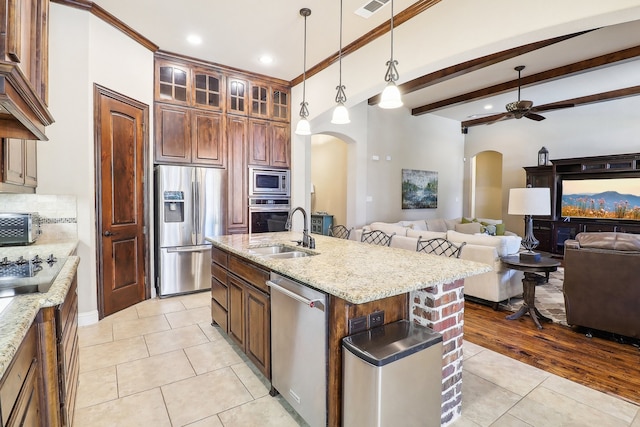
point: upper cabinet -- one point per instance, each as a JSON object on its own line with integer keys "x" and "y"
{"x": 236, "y": 96}
{"x": 192, "y": 103}
{"x": 18, "y": 173}
{"x": 173, "y": 83}
{"x": 24, "y": 69}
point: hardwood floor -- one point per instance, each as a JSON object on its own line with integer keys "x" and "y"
{"x": 598, "y": 363}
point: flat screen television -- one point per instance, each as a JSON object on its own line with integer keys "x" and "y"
{"x": 601, "y": 198}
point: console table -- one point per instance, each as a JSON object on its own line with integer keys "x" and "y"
{"x": 321, "y": 223}
{"x": 530, "y": 268}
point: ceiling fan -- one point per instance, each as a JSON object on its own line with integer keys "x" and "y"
{"x": 524, "y": 108}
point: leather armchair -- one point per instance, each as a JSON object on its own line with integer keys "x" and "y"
{"x": 601, "y": 287}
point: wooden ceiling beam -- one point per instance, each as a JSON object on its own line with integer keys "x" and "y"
{"x": 382, "y": 29}
{"x": 474, "y": 65}
{"x": 544, "y": 76}
{"x": 582, "y": 100}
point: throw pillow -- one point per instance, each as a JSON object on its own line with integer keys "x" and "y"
{"x": 465, "y": 221}
{"x": 500, "y": 229}
{"x": 490, "y": 229}
{"x": 469, "y": 228}
{"x": 436, "y": 224}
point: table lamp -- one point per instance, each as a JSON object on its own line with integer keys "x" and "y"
{"x": 528, "y": 202}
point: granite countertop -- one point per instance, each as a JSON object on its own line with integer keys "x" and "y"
{"x": 354, "y": 271}
{"x": 19, "y": 314}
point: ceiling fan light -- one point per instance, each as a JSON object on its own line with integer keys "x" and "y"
{"x": 303, "y": 127}
{"x": 340, "y": 115}
{"x": 390, "y": 97}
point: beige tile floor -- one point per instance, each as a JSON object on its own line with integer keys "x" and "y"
{"x": 161, "y": 363}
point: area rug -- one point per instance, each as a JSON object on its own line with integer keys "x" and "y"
{"x": 549, "y": 299}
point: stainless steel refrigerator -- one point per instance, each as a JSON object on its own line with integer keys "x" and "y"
{"x": 190, "y": 205}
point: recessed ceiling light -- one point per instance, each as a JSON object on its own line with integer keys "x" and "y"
{"x": 194, "y": 39}
{"x": 488, "y": 107}
{"x": 266, "y": 59}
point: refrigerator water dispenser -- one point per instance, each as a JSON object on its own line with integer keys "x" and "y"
{"x": 173, "y": 206}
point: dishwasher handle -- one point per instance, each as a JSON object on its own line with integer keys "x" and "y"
{"x": 313, "y": 303}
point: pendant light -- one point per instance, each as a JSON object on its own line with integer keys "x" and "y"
{"x": 390, "y": 97}
{"x": 340, "y": 114}
{"x": 304, "y": 128}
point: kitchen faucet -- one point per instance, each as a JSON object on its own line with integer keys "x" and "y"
{"x": 307, "y": 241}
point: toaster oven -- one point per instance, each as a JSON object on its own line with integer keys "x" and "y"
{"x": 19, "y": 228}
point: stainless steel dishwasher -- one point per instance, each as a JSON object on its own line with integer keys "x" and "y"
{"x": 299, "y": 347}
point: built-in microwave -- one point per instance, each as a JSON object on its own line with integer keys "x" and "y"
{"x": 272, "y": 182}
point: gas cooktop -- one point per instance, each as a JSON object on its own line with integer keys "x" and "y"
{"x": 26, "y": 276}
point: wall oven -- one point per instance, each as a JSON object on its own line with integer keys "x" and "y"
{"x": 268, "y": 214}
{"x": 269, "y": 182}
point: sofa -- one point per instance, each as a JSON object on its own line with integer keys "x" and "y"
{"x": 493, "y": 287}
{"x": 601, "y": 285}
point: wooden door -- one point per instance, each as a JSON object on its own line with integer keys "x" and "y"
{"x": 121, "y": 141}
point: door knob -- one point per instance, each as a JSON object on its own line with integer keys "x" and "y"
{"x": 108, "y": 233}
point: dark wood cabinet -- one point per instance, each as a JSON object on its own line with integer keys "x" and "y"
{"x": 172, "y": 134}
{"x": 187, "y": 136}
{"x": 208, "y": 89}
{"x": 236, "y": 310}
{"x": 258, "y": 329}
{"x": 269, "y": 143}
{"x": 59, "y": 356}
{"x": 24, "y": 65}
{"x": 173, "y": 83}
{"x": 68, "y": 353}
{"x": 19, "y": 165}
{"x": 553, "y": 230}
{"x": 238, "y": 213}
{"x": 208, "y": 142}
{"x": 237, "y": 96}
{"x": 20, "y": 390}
{"x": 241, "y": 306}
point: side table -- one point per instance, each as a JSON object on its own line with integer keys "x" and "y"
{"x": 530, "y": 268}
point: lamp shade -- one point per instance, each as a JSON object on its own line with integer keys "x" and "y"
{"x": 529, "y": 201}
{"x": 340, "y": 115}
{"x": 303, "y": 128}
{"x": 390, "y": 97}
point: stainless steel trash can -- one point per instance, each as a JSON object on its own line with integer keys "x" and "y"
{"x": 392, "y": 376}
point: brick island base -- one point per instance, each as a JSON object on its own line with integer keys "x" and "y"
{"x": 441, "y": 308}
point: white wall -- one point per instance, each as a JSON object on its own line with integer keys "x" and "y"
{"x": 84, "y": 50}
{"x": 425, "y": 143}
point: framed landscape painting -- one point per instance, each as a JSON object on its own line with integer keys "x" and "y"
{"x": 419, "y": 189}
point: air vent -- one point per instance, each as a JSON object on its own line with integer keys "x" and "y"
{"x": 371, "y": 7}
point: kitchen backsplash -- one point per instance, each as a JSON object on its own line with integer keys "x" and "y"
{"x": 58, "y": 213}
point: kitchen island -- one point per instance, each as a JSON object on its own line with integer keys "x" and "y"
{"x": 42, "y": 327}
{"x": 362, "y": 279}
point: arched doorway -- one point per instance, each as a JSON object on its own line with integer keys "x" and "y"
{"x": 329, "y": 176}
{"x": 486, "y": 185}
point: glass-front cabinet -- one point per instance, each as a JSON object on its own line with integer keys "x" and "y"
{"x": 280, "y": 104}
{"x": 236, "y": 96}
{"x": 173, "y": 83}
{"x": 259, "y": 100}
{"x": 207, "y": 89}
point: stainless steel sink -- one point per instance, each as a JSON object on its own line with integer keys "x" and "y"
{"x": 292, "y": 254}
{"x": 270, "y": 250}
{"x": 279, "y": 252}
